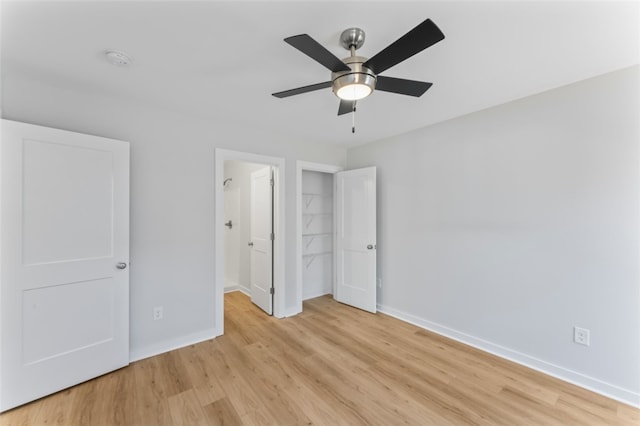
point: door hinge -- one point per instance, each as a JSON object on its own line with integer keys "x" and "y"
{"x": 271, "y": 181}
{"x": 271, "y": 290}
{"x": 273, "y": 237}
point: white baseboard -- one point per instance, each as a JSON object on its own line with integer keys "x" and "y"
{"x": 292, "y": 312}
{"x": 231, "y": 288}
{"x": 611, "y": 391}
{"x": 315, "y": 294}
{"x": 239, "y": 288}
{"x": 170, "y": 345}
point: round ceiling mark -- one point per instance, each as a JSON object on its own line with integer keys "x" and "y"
{"x": 118, "y": 58}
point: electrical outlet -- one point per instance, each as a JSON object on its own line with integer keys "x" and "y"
{"x": 157, "y": 313}
{"x": 581, "y": 336}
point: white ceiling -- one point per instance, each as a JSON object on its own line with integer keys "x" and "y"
{"x": 222, "y": 60}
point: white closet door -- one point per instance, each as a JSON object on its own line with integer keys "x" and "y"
{"x": 64, "y": 250}
{"x": 356, "y": 238}
{"x": 261, "y": 239}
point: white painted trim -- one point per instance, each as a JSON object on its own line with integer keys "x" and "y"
{"x": 173, "y": 344}
{"x": 228, "y": 285}
{"x": 317, "y": 294}
{"x": 292, "y": 312}
{"x": 242, "y": 289}
{"x": 238, "y": 287}
{"x": 222, "y": 155}
{"x": 312, "y": 167}
{"x": 603, "y": 388}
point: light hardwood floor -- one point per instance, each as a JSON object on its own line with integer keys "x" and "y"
{"x": 331, "y": 365}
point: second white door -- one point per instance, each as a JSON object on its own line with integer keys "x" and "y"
{"x": 356, "y": 238}
{"x": 262, "y": 239}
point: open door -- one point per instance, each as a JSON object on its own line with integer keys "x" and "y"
{"x": 64, "y": 286}
{"x": 356, "y": 238}
{"x": 262, "y": 239}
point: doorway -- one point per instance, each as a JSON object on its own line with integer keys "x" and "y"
{"x": 248, "y": 219}
{"x": 314, "y": 230}
{"x": 278, "y": 221}
{"x": 317, "y": 234}
{"x": 353, "y": 234}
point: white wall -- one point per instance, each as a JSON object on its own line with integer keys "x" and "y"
{"x": 507, "y": 227}
{"x": 172, "y": 198}
{"x": 237, "y": 206}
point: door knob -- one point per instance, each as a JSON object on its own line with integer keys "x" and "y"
{"x": 250, "y": 244}
{"x": 121, "y": 265}
{"x": 370, "y": 247}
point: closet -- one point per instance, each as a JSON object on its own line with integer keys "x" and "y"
{"x": 317, "y": 234}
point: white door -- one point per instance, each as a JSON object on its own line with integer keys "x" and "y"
{"x": 64, "y": 250}
{"x": 262, "y": 239}
{"x": 356, "y": 238}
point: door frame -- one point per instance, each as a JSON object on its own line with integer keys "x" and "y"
{"x": 278, "y": 164}
{"x": 310, "y": 167}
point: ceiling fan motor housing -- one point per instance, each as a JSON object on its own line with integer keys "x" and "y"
{"x": 359, "y": 75}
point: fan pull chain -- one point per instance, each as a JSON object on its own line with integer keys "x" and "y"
{"x": 353, "y": 119}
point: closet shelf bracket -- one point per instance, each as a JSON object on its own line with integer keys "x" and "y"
{"x": 313, "y": 237}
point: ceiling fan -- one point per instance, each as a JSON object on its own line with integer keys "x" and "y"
{"x": 356, "y": 77}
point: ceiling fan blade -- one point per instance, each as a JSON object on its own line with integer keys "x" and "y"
{"x": 316, "y": 51}
{"x": 303, "y": 89}
{"x": 402, "y": 86}
{"x": 415, "y": 41}
{"x": 346, "y": 107}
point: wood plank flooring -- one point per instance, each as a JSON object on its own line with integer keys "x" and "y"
{"x": 331, "y": 365}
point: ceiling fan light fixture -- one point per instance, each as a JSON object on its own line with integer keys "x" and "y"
{"x": 356, "y": 84}
{"x": 353, "y": 92}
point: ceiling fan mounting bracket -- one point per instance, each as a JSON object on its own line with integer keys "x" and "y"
{"x": 352, "y": 37}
